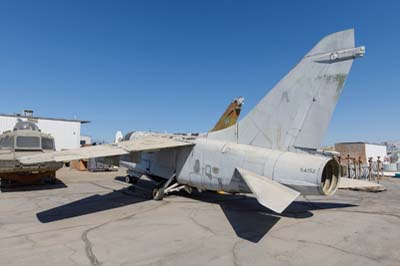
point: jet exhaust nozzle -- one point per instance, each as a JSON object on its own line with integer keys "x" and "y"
{"x": 330, "y": 177}
{"x": 306, "y": 173}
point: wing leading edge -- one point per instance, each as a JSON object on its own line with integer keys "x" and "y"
{"x": 147, "y": 143}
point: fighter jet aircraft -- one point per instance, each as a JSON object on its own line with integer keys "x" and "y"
{"x": 25, "y": 138}
{"x": 264, "y": 153}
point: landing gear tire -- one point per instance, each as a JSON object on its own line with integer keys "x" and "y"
{"x": 158, "y": 193}
{"x": 130, "y": 179}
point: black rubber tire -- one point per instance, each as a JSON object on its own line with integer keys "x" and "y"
{"x": 158, "y": 193}
{"x": 131, "y": 179}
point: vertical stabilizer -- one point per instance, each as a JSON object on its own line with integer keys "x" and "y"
{"x": 297, "y": 111}
{"x": 230, "y": 116}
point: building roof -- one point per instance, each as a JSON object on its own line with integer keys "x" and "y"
{"x": 45, "y": 118}
{"x": 359, "y": 142}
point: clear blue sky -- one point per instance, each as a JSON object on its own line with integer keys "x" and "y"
{"x": 175, "y": 65}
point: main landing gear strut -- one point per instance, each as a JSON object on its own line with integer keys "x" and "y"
{"x": 170, "y": 186}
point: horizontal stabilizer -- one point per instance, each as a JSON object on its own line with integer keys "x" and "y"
{"x": 268, "y": 192}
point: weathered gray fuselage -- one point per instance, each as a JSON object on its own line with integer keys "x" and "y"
{"x": 212, "y": 164}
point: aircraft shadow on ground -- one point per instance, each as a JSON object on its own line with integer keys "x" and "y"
{"x": 252, "y": 221}
{"x": 97, "y": 203}
{"x": 17, "y": 188}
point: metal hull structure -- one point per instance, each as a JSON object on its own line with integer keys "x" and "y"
{"x": 215, "y": 164}
{"x": 212, "y": 165}
{"x": 12, "y": 171}
{"x": 26, "y": 139}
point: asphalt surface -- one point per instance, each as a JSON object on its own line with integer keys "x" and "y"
{"x": 94, "y": 219}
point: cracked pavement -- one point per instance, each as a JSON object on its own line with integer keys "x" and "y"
{"x": 92, "y": 219}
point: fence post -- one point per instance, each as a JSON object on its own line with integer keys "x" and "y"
{"x": 379, "y": 168}
{"x": 348, "y": 166}
{"x": 369, "y": 168}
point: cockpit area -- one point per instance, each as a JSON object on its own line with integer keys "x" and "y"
{"x": 26, "y": 136}
{"x": 25, "y": 125}
{"x": 16, "y": 142}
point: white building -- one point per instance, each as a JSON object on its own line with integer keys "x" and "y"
{"x": 66, "y": 132}
{"x": 362, "y": 150}
{"x": 85, "y": 140}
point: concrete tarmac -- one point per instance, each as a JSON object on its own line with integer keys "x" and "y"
{"x": 93, "y": 219}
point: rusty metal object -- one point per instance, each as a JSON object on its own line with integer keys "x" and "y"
{"x": 230, "y": 116}
{"x": 28, "y": 178}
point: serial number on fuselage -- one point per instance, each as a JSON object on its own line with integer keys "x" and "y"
{"x": 308, "y": 170}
